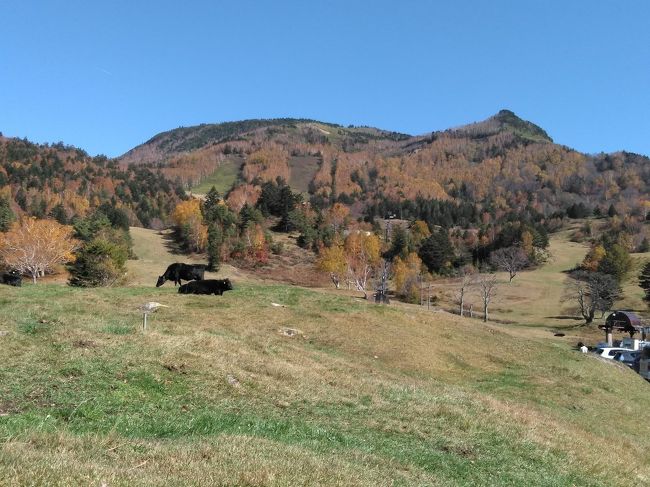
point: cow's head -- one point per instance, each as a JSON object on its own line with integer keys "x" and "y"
{"x": 161, "y": 281}
{"x": 228, "y": 284}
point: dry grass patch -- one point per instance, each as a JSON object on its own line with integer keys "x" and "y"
{"x": 365, "y": 395}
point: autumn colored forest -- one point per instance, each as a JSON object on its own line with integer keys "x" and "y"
{"x": 486, "y": 183}
{"x": 500, "y": 166}
{"x": 490, "y": 221}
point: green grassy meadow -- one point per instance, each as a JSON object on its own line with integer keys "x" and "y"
{"x": 326, "y": 389}
{"x": 216, "y": 393}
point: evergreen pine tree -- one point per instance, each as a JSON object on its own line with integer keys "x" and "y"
{"x": 215, "y": 241}
{"x": 210, "y": 204}
{"x": 399, "y": 243}
{"x": 617, "y": 262}
{"x": 644, "y": 281}
{"x": 6, "y": 215}
{"x": 436, "y": 251}
{"x": 59, "y": 214}
{"x": 21, "y": 199}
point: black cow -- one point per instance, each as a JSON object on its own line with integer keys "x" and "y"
{"x": 11, "y": 278}
{"x": 209, "y": 286}
{"x": 178, "y": 271}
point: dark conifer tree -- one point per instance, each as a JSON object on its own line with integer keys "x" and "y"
{"x": 436, "y": 252}
{"x": 6, "y": 215}
{"x": 644, "y": 282}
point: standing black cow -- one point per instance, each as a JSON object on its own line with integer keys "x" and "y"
{"x": 178, "y": 271}
{"x": 209, "y": 286}
{"x": 12, "y": 278}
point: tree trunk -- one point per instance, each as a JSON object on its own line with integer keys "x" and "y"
{"x": 34, "y": 276}
{"x": 462, "y": 304}
{"x": 335, "y": 280}
{"x": 485, "y": 312}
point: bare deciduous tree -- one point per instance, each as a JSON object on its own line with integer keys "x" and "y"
{"x": 510, "y": 260}
{"x": 363, "y": 257}
{"x": 487, "y": 287}
{"x": 468, "y": 280}
{"x": 592, "y": 292}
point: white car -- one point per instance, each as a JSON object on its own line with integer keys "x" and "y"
{"x": 609, "y": 352}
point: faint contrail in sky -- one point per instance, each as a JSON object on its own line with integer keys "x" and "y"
{"x": 105, "y": 71}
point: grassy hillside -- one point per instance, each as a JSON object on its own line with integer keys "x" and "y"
{"x": 326, "y": 389}
{"x": 535, "y": 300}
{"x": 217, "y": 393}
{"x": 533, "y": 297}
{"x": 224, "y": 178}
{"x": 302, "y": 172}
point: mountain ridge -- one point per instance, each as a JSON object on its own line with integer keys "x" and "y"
{"x": 186, "y": 139}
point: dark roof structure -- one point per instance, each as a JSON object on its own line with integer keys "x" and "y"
{"x": 625, "y": 321}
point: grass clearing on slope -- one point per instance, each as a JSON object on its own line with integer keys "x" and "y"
{"x": 362, "y": 395}
{"x": 303, "y": 169}
{"x": 534, "y": 300}
{"x": 223, "y": 179}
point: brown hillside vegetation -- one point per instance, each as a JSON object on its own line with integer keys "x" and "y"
{"x": 501, "y": 163}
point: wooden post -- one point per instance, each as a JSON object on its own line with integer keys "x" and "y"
{"x": 429, "y": 296}
{"x": 471, "y": 311}
{"x": 609, "y": 336}
{"x": 144, "y": 321}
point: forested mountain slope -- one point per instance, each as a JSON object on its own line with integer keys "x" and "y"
{"x": 65, "y": 182}
{"x": 478, "y": 173}
{"x": 501, "y": 164}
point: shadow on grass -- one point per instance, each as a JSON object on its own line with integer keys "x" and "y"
{"x": 564, "y": 317}
{"x": 171, "y": 244}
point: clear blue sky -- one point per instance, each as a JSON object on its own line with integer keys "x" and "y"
{"x": 106, "y": 76}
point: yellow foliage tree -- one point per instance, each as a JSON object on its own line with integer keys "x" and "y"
{"x": 405, "y": 276}
{"x": 189, "y": 222}
{"x": 593, "y": 258}
{"x": 527, "y": 244}
{"x": 332, "y": 260}
{"x": 35, "y": 247}
{"x": 363, "y": 256}
{"x": 419, "y": 231}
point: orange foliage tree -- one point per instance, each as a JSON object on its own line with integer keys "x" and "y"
{"x": 35, "y": 247}
{"x": 336, "y": 216}
{"x": 257, "y": 248}
{"x": 592, "y": 259}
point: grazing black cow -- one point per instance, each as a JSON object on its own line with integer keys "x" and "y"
{"x": 11, "y": 278}
{"x": 178, "y": 271}
{"x": 209, "y": 286}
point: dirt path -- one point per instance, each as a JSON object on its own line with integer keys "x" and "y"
{"x": 156, "y": 250}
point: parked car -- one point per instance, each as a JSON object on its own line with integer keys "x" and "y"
{"x": 631, "y": 359}
{"x": 609, "y": 352}
{"x": 633, "y": 343}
